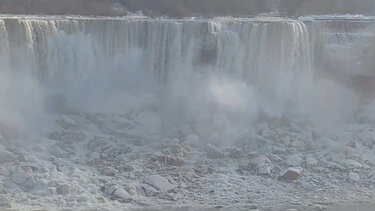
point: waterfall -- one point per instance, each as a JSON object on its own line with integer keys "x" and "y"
{"x": 275, "y": 58}
{"x": 260, "y": 51}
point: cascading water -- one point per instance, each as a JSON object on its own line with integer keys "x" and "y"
{"x": 269, "y": 61}
{"x": 269, "y": 55}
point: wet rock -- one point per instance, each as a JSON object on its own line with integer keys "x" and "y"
{"x": 6, "y": 156}
{"x": 291, "y": 174}
{"x": 158, "y": 182}
{"x": 22, "y": 178}
{"x": 294, "y": 160}
{"x": 354, "y": 177}
{"x": 213, "y": 152}
{"x": 5, "y": 201}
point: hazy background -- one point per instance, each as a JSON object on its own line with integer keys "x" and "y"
{"x": 181, "y": 8}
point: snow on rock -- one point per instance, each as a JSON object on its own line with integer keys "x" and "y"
{"x": 261, "y": 163}
{"x": 234, "y": 153}
{"x": 352, "y": 164}
{"x": 354, "y": 177}
{"x": 149, "y": 191}
{"x": 102, "y": 145}
{"x": 294, "y": 160}
{"x": 109, "y": 171}
{"x": 117, "y": 193}
{"x": 291, "y": 174}
{"x": 213, "y": 152}
{"x": 6, "y": 156}
{"x": 299, "y": 145}
{"x": 68, "y": 136}
{"x": 63, "y": 189}
{"x": 122, "y": 195}
{"x": 310, "y": 161}
{"x": 176, "y": 149}
{"x": 5, "y": 201}
{"x": 158, "y": 182}
{"x": 22, "y": 178}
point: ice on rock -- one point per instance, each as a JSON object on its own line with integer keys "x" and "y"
{"x": 354, "y": 177}
{"x": 158, "y": 182}
{"x": 291, "y": 174}
{"x": 6, "y": 156}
